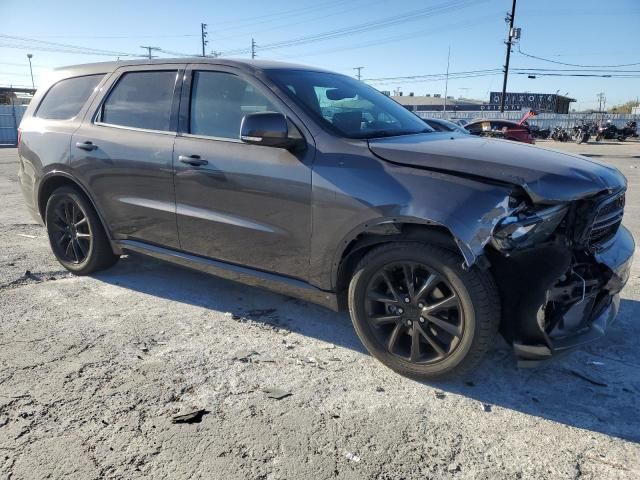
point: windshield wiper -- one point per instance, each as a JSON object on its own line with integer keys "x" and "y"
{"x": 394, "y": 133}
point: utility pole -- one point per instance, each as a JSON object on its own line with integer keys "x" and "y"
{"x": 203, "y": 37}
{"x": 600, "y": 98}
{"x": 253, "y": 48}
{"x": 359, "y": 69}
{"x": 510, "y": 35}
{"x": 466, "y": 91}
{"x": 149, "y": 49}
{"x": 602, "y": 102}
{"x": 30, "y": 56}
{"x": 446, "y": 82}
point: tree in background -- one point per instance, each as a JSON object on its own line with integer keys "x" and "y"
{"x": 625, "y": 107}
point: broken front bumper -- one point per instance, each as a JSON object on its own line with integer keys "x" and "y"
{"x": 542, "y": 332}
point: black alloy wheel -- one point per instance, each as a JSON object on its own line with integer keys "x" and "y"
{"x": 420, "y": 312}
{"x": 71, "y": 232}
{"x": 76, "y": 234}
{"x": 415, "y": 312}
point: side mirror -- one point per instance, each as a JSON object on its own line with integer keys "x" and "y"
{"x": 269, "y": 129}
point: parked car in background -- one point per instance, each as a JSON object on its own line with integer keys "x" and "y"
{"x": 500, "y": 129}
{"x": 316, "y": 185}
{"x": 441, "y": 125}
{"x": 460, "y": 121}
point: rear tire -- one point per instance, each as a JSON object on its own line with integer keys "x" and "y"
{"x": 453, "y": 312}
{"x": 76, "y": 235}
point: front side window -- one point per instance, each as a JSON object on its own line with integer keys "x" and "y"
{"x": 65, "y": 99}
{"x": 349, "y": 107}
{"x": 141, "y": 100}
{"x": 219, "y": 102}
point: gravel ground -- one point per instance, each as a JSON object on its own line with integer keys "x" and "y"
{"x": 93, "y": 369}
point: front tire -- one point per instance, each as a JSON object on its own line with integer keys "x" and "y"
{"x": 420, "y": 313}
{"x": 76, "y": 235}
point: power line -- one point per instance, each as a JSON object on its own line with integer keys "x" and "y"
{"x": 441, "y": 78}
{"x": 600, "y": 75}
{"x": 31, "y": 43}
{"x": 394, "y": 38}
{"x": 178, "y": 54}
{"x": 261, "y": 19}
{"x": 575, "y": 64}
{"x": 312, "y": 19}
{"x": 114, "y": 36}
{"x": 429, "y": 75}
{"x": 361, "y": 28}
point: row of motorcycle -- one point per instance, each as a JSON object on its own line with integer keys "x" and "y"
{"x": 583, "y": 132}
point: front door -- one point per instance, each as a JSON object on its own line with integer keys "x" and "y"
{"x": 240, "y": 203}
{"x": 124, "y": 153}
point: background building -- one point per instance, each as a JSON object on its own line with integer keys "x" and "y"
{"x": 540, "y": 102}
{"x": 436, "y": 102}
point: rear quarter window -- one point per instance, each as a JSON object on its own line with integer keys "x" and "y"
{"x": 141, "y": 100}
{"x": 65, "y": 99}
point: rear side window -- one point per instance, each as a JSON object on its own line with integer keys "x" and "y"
{"x": 219, "y": 101}
{"x": 141, "y": 100}
{"x": 64, "y": 100}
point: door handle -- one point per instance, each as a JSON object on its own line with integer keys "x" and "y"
{"x": 193, "y": 160}
{"x": 88, "y": 146}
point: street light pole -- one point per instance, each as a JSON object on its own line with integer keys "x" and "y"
{"x": 446, "y": 83}
{"x": 30, "y": 56}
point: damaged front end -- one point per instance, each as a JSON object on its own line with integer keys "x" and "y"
{"x": 559, "y": 270}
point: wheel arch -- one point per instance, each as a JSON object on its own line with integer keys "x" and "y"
{"x": 376, "y": 233}
{"x": 56, "y": 179}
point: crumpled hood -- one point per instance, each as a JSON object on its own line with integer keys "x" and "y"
{"x": 547, "y": 176}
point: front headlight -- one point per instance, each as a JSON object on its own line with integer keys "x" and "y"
{"x": 528, "y": 227}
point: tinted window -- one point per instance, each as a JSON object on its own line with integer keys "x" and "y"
{"x": 349, "y": 107}
{"x": 219, "y": 101}
{"x": 141, "y": 100}
{"x": 64, "y": 100}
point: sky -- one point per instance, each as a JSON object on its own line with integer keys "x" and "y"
{"x": 393, "y": 38}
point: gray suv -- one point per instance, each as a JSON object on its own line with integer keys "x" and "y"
{"x": 318, "y": 186}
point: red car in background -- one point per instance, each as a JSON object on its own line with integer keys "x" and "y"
{"x": 509, "y": 130}
{"x": 501, "y": 129}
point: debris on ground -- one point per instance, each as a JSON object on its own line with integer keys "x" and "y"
{"x": 276, "y": 393}
{"x": 352, "y": 457}
{"x": 245, "y": 356}
{"x": 192, "y": 417}
{"x": 595, "y": 363}
{"x": 25, "y": 235}
{"x": 594, "y": 380}
{"x": 260, "y": 312}
{"x": 440, "y": 395}
{"x": 486, "y": 407}
{"x": 379, "y": 389}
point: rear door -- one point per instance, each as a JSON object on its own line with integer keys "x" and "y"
{"x": 240, "y": 203}
{"x": 123, "y": 152}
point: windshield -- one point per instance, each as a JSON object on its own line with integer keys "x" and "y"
{"x": 347, "y": 106}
